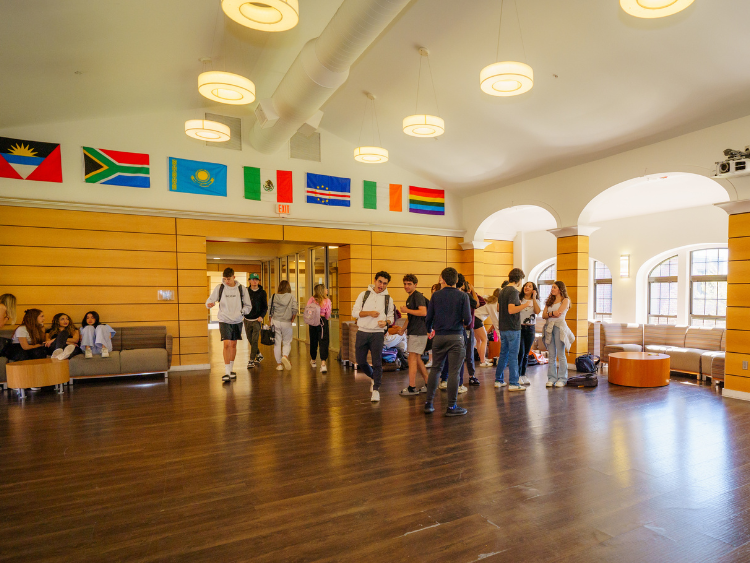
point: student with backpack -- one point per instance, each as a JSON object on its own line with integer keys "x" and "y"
{"x": 316, "y": 316}
{"x": 234, "y": 301}
{"x": 282, "y": 311}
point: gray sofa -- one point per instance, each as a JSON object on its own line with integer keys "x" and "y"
{"x": 136, "y": 350}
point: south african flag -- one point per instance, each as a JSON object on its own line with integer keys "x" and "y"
{"x": 116, "y": 168}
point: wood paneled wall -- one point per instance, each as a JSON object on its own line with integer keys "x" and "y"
{"x": 573, "y": 271}
{"x": 738, "y": 304}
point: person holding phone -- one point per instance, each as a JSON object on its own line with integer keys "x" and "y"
{"x": 529, "y": 294}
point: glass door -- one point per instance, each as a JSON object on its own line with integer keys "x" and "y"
{"x": 333, "y": 294}
{"x": 301, "y": 295}
{"x": 292, "y": 268}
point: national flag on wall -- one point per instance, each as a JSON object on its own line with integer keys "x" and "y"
{"x": 263, "y": 184}
{"x": 395, "y": 198}
{"x": 328, "y": 190}
{"x": 196, "y": 177}
{"x": 116, "y": 168}
{"x": 427, "y": 201}
{"x": 30, "y": 160}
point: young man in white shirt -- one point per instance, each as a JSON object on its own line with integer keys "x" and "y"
{"x": 234, "y": 301}
{"x": 373, "y": 311}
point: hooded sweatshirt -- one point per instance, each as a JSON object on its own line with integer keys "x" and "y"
{"x": 283, "y": 307}
{"x": 230, "y": 307}
{"x": 375, "y": 302}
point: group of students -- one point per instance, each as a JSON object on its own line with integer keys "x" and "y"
{"x": 239, "y": 305}
{"x": 448, "y": 321}
{"x": 31, "y": 339}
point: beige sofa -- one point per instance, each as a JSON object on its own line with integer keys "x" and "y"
{"x": 695, "y": 350}
{"x": 136, "y": 350}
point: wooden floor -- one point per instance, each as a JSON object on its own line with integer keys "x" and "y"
{"x": 299, "y": 466}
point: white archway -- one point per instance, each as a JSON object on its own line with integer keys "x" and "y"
{"x": 506, "y": 223}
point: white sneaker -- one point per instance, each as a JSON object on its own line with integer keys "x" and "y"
{"x": 559, "y": 383}
{"x": 443, "y": 385}
{"x": 88, "y": 353}
{"x": 69, "y": 349}
{"x": 323, "y": 369}
{"x": 375, "y": 396}
{"x": 286, "y": 363}
{"x": 524, "y": 380}
{"x": 105, "y": 353}
{"x": 428, "y": 364}
{"x": 499, "y": 384}
{"x": 462, "y": 389}
{"x": 57, "y": 354}
{"x": 485, "y": 364}
{"x": 550, "y": 383}
{"x": 516, "y": 388}
{"x": 279, "y": 368}
{"x": 313, "y": 364}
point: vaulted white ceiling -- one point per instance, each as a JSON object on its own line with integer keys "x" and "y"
{"x": 621, "y": 82}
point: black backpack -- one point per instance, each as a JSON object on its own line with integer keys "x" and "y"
{"x": 221, "y": 292}
{"x": 587, "y": 363}
{"x": 387, "y": 306}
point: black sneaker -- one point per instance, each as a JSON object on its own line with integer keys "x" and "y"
{"x": 473, "y": 381}
{"x": 455, "y": 411}
{"x": 409, "y": 391}
{"x": 250, "y": 364}
{"x": 259, "y": 357}
{"x": 428, "y": 408}
{"x": 225, "y": 378}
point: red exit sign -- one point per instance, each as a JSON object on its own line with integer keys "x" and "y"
{"x": 282, "y": 208}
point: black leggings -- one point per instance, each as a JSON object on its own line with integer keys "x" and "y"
{"x": 527, "y": 339}
{"x": 17, "y": 354}
{"x": 61, "y": 342}
{"x": 319, "y": 338}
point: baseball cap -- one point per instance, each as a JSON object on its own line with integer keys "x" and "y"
{"x": 254, "y": 277}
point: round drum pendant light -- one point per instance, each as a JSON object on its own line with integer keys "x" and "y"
{"x": 370, "y": 155}
{"x": 654, "y": 8}
{"x": 507, "y": 78}
{"x": 424, "y": 126}
{"x": 226, "y": 88}
{"x": 205, "y": 130}
{"x": 264, "y": 15}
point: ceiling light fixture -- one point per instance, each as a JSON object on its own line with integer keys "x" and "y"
{"x": 264, "y": 15}
{"x": 650, "y": 9}
{"x": 424, "y": 125}
{"x": 370, "y": 154}
{"x": 226, "y": 88}
{"x": 205, "y": 130}
{"x": 507, "y": 78}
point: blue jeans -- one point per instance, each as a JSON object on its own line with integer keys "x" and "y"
{"x": 510, "y": 340}
{"x": 556, "y": 350}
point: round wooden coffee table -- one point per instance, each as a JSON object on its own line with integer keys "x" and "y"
{"x": 37, "y": 373}
{"x": 639, "y": 369}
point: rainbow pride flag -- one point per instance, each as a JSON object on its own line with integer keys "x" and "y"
{"x": 426, "y": 201}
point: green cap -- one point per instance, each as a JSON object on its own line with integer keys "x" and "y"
{"x": 254, "y": 277}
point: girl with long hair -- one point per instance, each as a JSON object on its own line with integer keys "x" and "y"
{"x": 282, "y": 312}
{"x": 557, "y": 335}
{"x": 96, "y": 337}
{"x": 319, "y": 336}
{"x": 64, "y": 336}
{"x": 529, "y": 293}
{"x": 28, "y": 339}
{"x": 7, "y": 309}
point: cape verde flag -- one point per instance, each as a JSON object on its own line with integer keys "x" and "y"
{"x": 328, "y": 190}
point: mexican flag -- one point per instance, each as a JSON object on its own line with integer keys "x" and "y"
{"x": 263, "y": 184}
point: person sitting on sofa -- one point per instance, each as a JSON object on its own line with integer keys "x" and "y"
{"x": 96, "y": 337}
{"x": 28, "y": 339}
{"x": 7, "y": 309}
{"x": 64, "y": 336}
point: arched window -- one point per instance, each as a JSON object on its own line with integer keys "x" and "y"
{"x": 545, "y": 280}
{"x": 662, "y": 293}
{"x": 708, "y": 287}
{"x": 602, "y": 292}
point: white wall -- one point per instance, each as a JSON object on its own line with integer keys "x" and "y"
{"x": 642, "y": 238}
{"x": 162, "y": 135}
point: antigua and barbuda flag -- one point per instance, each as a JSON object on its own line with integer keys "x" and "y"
{"x": 328, "y": 190}
{"x": 196, "y": 177}
{"x": 30, "y": 160}
{"x": 265, "y": 184}
{"x": 116, "y": 168}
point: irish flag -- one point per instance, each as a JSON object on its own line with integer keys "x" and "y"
{"x": 263, "y": 184}
{"x": 426, "y": 201}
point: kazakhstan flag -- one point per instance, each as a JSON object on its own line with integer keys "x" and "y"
{"x": 196, "y": 177}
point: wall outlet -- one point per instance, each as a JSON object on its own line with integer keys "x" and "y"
{"x": 744, "y": 365}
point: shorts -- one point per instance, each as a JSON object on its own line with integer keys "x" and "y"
{"x": 416, "y": 344}
{"x": 230, "y": 331}
{"x": 478, "y": 323}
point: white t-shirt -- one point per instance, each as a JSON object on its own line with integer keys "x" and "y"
{"x": 21, "y": 332}
{"x": 528, "y": 316}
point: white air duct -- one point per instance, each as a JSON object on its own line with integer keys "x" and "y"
{"x": 322, "y": 66}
